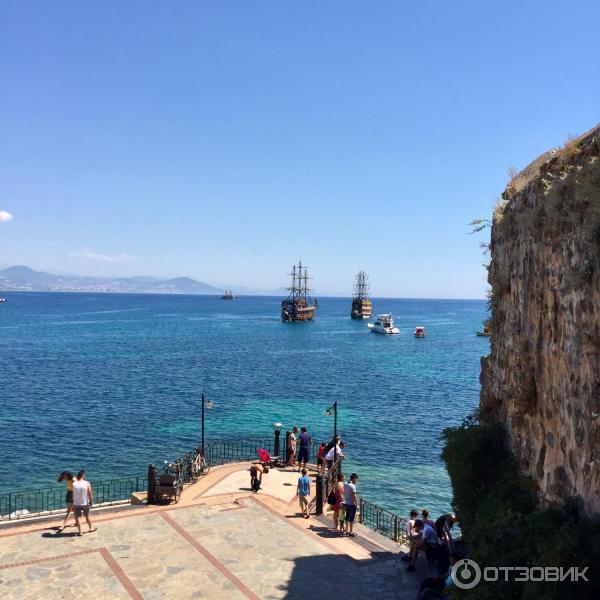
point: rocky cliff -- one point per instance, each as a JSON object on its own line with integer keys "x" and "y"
{"x": 542, "y": 377}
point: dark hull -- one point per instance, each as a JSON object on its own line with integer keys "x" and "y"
{"x": 361, "y": 309}
{"x": 296, "y": 311}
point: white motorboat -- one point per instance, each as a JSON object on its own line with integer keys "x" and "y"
{"x": 384, "y": 324}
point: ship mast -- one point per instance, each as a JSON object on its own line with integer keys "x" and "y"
{"x": 298, "y": 306}
{"x": 361, "y": 288}
{"x": 299, "y": 289}
{"x": 293, "y": 288}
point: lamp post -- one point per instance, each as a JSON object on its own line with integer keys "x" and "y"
{"x": 277, "y": 427}
{"x": 328, "y": 412}
{"x": 209, "y": 405}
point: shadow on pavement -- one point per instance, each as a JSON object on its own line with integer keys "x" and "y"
{"x": 333, "y": 576}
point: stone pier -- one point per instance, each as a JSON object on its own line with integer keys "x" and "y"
{"x": 220, "y": 542}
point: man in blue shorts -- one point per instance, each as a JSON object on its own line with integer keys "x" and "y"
{"x": 350, "y": 502}
{"x": 303, "y": 492}
{"x": 305, "y": 440}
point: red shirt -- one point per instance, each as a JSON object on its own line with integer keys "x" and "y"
{"x": 321, "y": 452}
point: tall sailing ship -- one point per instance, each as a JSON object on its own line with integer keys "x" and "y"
{"x": 361, "y": 303}
{"x": 298, "y": 306}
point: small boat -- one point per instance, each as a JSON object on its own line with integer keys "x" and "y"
{"x": 228, "y": 295}
{"x": 420, "y": 332}
{"x": 2, "y": 299}
{"x": 384, "y": 324}
{"x": 484, "y": 333}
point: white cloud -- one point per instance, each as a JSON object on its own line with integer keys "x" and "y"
{"x": 5, "y": 216}
{"x": 102, "y": 256}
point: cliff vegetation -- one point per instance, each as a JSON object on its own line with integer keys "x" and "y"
{"x": 503, "y": 523}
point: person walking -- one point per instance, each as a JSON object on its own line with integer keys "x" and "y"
{"x": 350, "y": 502}
{"x": 303, "y": 491}
{"x": 304, "y": 451}
{"x": 82, "y": 500}
{"x": 67, "y": 477}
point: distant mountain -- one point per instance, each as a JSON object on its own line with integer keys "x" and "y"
{"x": 21, "y": 278}
{"x": 25, "y": 275}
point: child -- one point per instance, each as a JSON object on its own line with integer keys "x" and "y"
{"x": 303, "y": 491}
{"x": 321, "y": 458}
{"x": 342, "y": 517}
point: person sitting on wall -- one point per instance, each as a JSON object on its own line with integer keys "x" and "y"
{"x": 427, "y": 541}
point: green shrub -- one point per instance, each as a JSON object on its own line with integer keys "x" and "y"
{"x": 503, "y": 524}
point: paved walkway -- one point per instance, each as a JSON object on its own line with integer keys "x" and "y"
{"x": 221, "y": 541}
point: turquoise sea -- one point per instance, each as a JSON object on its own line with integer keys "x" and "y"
{"x": 111, "y": 382}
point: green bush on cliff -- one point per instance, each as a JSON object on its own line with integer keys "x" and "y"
{"x": 503, "y": 524}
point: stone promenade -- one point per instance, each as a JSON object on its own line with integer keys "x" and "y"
{"x": 220, "y": 542}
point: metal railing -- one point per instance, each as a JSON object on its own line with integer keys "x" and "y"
{"x": 34, "y": 502}
{"x": 221, "y": 452}
{"x": 325, "y": 485}
{"x": 31, "y": 503}
{"x": 382, "y": 520}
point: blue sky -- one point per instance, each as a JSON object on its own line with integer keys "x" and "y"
{"x": 226, "y": 140}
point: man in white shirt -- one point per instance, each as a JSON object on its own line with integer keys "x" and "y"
{"x": 82, "y": 499}
{"x": 411, "y": 534}
{"x": 333, "y": 452}
{"x": 350, "y": 502}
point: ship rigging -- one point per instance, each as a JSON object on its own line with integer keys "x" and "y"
{"x": 361, "y": 303}
{"x": 298, "y": 306}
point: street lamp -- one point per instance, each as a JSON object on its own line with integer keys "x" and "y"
{"x": 277, "y": 428}
{"x": 333, "y": 410}
{"x": 209, "y": 404}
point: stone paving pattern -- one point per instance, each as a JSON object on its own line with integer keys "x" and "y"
{"x": 220, "y": 542}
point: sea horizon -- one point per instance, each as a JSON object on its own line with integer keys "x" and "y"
{"x": 167, "y": 294}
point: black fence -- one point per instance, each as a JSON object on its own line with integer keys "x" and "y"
{"x": 324, "y": 486}
{"x": 30, "y": 503}
{"x": 226, "y": 451}
{"x": 382, "y": 521}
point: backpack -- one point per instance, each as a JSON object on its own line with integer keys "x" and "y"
{"x": 331, "y": 499}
